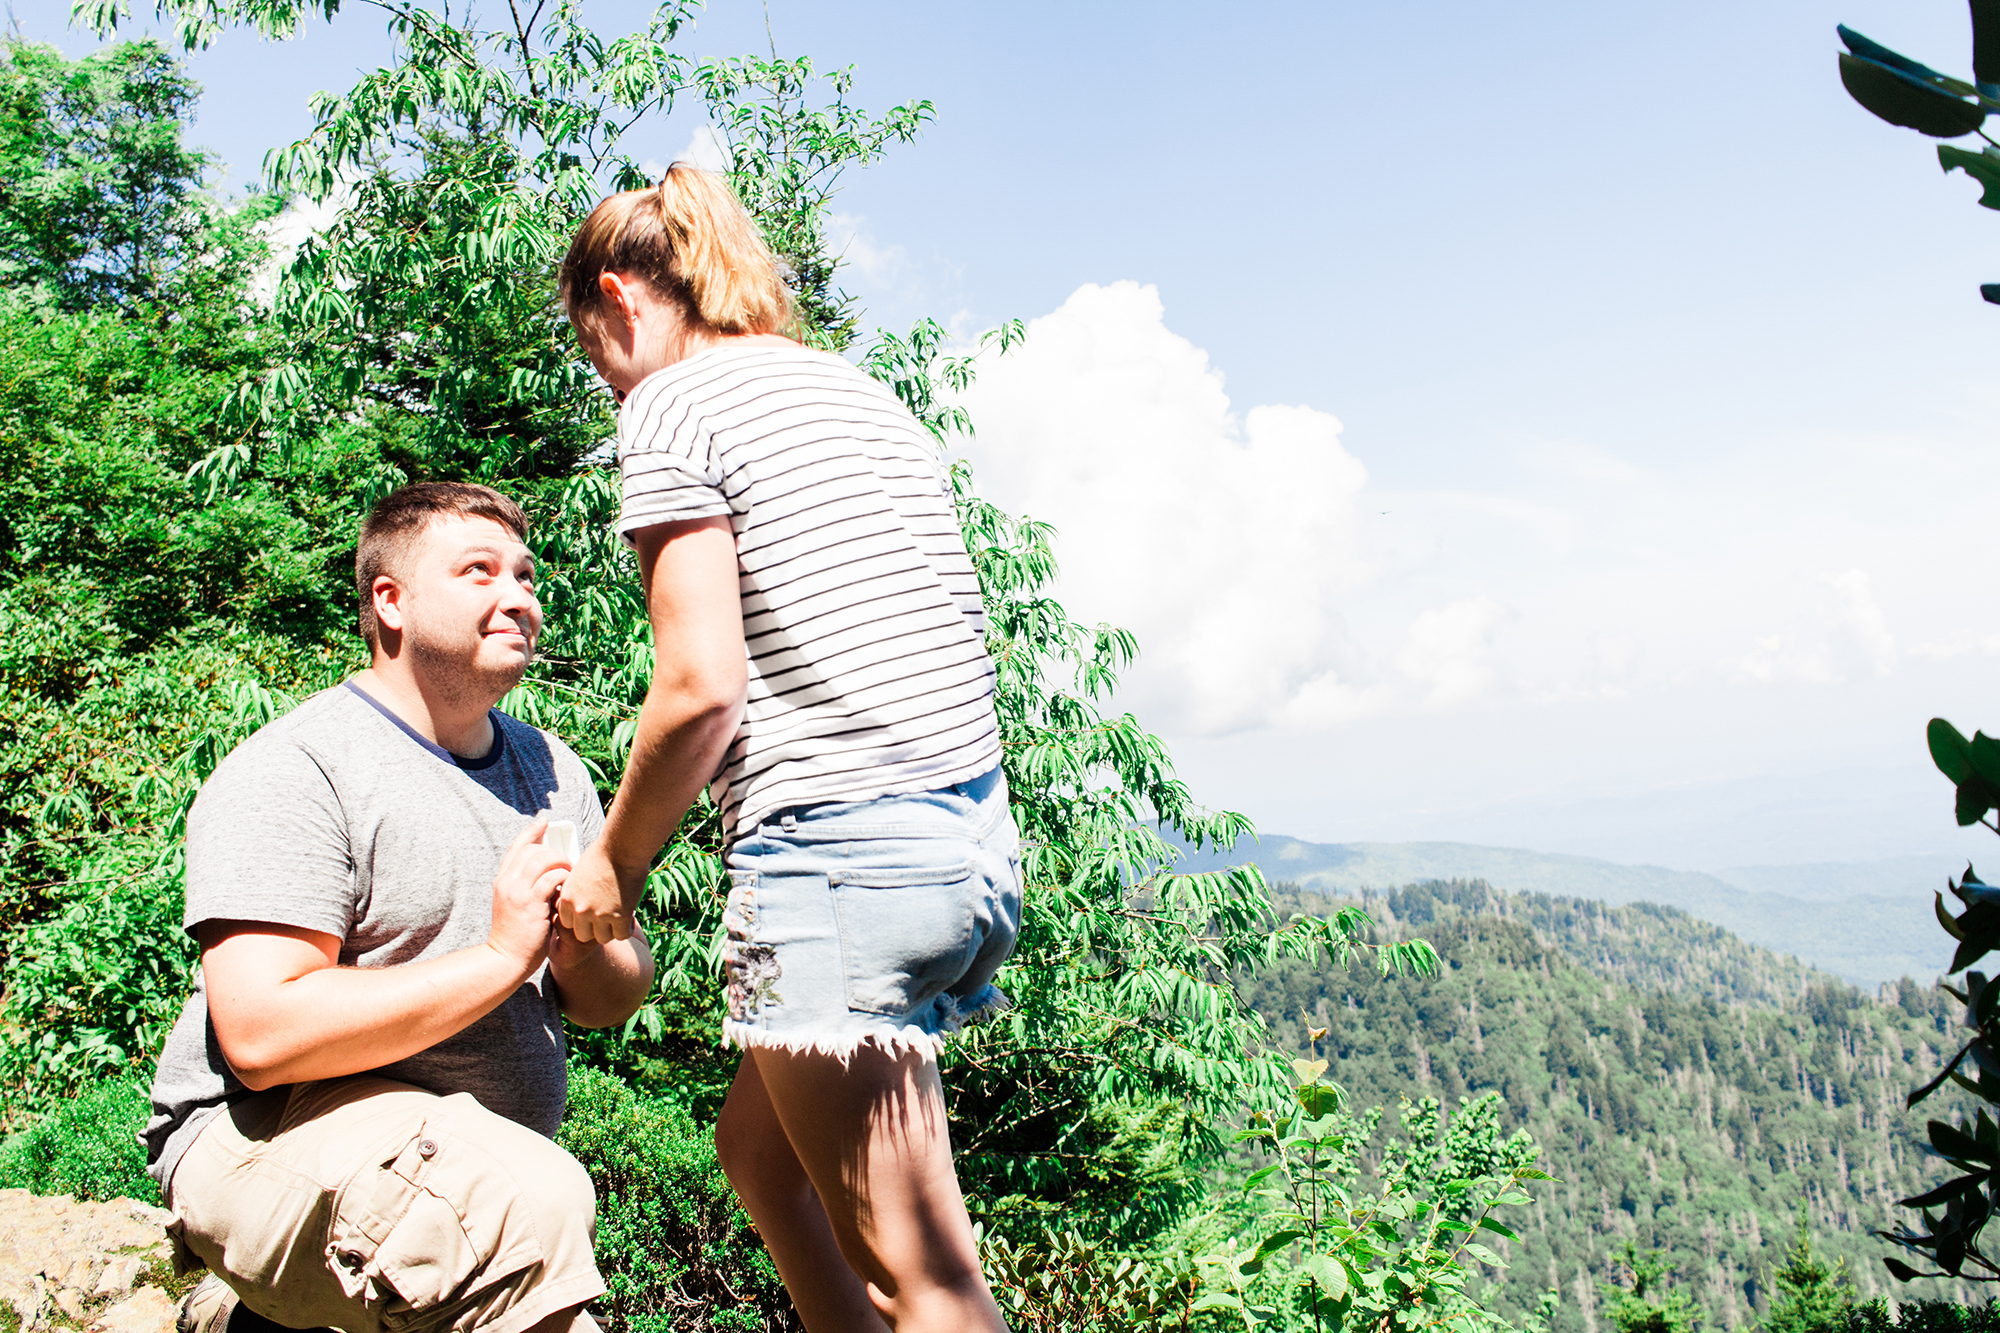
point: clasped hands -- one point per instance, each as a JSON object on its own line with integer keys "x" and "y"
{"x": 543, "y": 904}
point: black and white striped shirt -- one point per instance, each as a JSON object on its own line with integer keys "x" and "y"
{"x": 861, "y": 613}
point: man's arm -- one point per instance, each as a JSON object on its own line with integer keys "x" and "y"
{"x": 601, "y": 985}
{"x": 285, "y": 1011}
{"x": 692, "y": 709}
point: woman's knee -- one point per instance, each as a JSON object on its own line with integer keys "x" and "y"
{"x": 753, "y": 1151}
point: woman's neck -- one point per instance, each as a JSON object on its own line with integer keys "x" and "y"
{"x": 690, "y": 341}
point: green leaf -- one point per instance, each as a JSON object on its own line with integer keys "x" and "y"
{"x": 1984, "y": 751}
{"x": 1950, "y": 751}
{"x": 1975, "y": 797}
{"x": 1906, "y": 99}
{"x": 1490, "y": 1225}
{"x": 1947, "y": 920}
{"x": 1986, "y": 171}
{"x": 1270, "y": 1245}
{"x": 1328, "y": 1273}
{"x": 1946, "y": 1192}
{"x": 1954, "y": 1142}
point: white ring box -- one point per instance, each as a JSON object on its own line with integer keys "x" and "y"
{"x": 561, "y": 835}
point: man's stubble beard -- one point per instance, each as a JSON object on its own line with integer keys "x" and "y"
{"x": 457, "y": 676}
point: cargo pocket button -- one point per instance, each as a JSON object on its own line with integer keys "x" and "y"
{"x": 427, "y": 1147}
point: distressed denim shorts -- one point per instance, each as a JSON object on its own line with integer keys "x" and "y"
{"x": 877, "y": 921}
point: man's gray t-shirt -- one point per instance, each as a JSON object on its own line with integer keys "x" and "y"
{"x": 339, "y": 818}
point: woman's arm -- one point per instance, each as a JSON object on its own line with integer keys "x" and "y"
{"x": 692, "y": 709}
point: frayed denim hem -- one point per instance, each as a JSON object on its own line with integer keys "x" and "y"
{"x": 899, "y": 1041}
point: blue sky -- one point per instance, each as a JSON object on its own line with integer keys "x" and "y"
{"x": 1564, "y": 426}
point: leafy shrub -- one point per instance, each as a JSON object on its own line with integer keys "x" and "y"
{"x": 676, "y": 1251}
{"x": 1955, "y": 1213}
{"x": 1068, "y": 1284}
{"x": 1922, "y": 1317}
{"x": 88, "y": 1149}
{"x": 1326, "y": 1251}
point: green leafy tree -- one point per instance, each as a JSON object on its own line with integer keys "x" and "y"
{"x": 123, "y": 598}
{"x": 1813, "y": 1296}
{"x": 1645, "y": 1302}
{"x": 101, "y": 203}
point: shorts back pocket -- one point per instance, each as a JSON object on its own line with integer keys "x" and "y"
{"x": 905, "y": 934}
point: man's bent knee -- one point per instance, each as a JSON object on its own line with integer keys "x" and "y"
{"x": 388, "y": 1207}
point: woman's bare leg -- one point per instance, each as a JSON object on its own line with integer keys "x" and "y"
{"x": 757, "y": 1157}
{"x": 872, "y": 1139}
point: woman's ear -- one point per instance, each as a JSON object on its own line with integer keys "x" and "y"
{"x": 621, "y": 297}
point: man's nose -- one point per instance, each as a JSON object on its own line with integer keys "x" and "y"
{"x": 519, "y": 599}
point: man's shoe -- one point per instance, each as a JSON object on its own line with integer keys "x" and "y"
{"x": 206, "y": 1308}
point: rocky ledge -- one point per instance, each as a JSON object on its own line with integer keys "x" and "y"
{"x": 96, "y": 1267}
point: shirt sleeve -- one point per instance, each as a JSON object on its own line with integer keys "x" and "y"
{"x": 666, "y": 460}
{"x": 267, "y": 841}
{"x": 576, "y": 794}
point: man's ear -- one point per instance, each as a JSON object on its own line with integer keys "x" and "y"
{"x": 388, "y": 599}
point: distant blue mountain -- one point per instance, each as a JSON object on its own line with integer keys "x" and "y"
{"x": 1868, "y": 922}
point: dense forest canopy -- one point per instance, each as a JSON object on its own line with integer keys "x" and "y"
{"x": 1694, "y": 1094}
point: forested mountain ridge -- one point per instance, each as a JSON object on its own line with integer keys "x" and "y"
{"x": 1690, "y": 1092}
{"x": 1853, "y": 920}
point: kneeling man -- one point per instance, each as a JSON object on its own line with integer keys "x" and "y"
{"x": 352, "y": 1117}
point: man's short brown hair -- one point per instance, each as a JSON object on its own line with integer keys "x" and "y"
{"x": 399, "y": 517}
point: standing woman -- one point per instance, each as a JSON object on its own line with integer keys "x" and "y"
{"x": 820, "y": 664}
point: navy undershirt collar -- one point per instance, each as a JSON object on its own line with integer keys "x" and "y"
{"x": 487, "y": 760}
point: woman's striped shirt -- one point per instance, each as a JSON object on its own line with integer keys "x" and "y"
{"x": 861, "y": 613}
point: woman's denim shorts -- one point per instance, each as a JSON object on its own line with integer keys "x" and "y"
{"x": 876, "y": 921}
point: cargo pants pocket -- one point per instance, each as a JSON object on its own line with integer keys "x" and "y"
{"x": 906, "y": 935}
{"x": 432, "y": 1223}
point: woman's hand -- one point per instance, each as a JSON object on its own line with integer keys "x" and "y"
{"x": 595, "y": 905}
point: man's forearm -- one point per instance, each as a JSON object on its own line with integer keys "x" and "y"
{"x": 335, "y": 1021}
{"x": 601, "y": 985}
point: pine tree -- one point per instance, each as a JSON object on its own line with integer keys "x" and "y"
{"x": 1813, "y": 1296}
{"x": 1645, "y": 1307}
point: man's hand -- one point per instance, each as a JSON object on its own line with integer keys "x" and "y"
{"x": 523, "y": 898}
{"x": 595, "y": 904}
{"x": 285, "y": 1011}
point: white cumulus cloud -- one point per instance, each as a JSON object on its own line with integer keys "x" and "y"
{"x": 1223, "y": 541}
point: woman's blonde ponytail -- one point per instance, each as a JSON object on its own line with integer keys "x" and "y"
{"x": 691, "y": 239}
